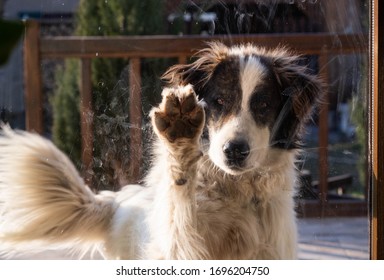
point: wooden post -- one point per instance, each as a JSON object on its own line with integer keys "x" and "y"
{"x": 32, "y": 77}
{"x": 86, "y": 118}
{"x": 323, "y": 137}
{"x": 135, "y": 117}
{"x": 182, "y": 59}
{"x": 377, "y": 135}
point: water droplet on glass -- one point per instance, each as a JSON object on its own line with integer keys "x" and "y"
{"x": 98, "y": 163}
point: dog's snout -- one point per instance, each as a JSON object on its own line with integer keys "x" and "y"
{"x": 236, "y": 151}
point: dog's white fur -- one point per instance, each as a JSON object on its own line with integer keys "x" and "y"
{"x": 192, "y": 205}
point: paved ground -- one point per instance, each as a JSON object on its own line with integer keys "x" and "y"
{"x": 324, "y": 239}
{"x": 334, "y": 238}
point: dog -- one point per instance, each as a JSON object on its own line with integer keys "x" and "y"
{"x": 223, "y": 176}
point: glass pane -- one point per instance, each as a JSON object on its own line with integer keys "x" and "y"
{"x": 331, "y": 36}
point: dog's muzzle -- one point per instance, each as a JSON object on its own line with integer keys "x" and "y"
{"x": 236, "y": 152}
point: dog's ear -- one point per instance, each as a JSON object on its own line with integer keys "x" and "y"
{"x": 300, "y": 92}
{"x": 199, "y": 72}
{"x": 303, "y": 88}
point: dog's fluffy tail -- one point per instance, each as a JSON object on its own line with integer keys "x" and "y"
{"x": 42, "y": 196}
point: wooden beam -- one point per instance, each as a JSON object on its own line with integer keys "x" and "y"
{"x": 182, "y": 59}
{"x": 135, "y": 118}
{"x": 32, "y": 77}
{"x": 336, "y": 208}
{"x": 86, "y": 115}
{"x": 377, "y": 135}
{"x": 175, "y": 46}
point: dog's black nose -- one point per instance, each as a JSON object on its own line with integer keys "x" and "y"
{"x": 236, "y": 151}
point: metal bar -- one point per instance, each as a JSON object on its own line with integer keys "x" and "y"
{"x": 32, "y": 78}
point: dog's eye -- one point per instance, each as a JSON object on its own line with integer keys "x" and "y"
{"x": 260, "y": 107}
{"x": 220, "y": 101}
{"x": 263, "y": 105}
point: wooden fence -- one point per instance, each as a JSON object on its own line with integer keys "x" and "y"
{"x": 136, "y": 47}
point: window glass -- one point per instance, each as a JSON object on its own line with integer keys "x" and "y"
{"x": 332, "y": 187}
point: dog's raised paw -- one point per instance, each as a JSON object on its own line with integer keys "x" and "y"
{"x": 179, "y": 114}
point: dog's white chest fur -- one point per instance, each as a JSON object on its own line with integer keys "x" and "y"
{"x": 237, "y": 218}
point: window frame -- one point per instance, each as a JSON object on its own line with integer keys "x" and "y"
{"x": 376, "y": 139}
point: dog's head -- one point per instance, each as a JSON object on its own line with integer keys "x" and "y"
{"x": 257, "y": 102}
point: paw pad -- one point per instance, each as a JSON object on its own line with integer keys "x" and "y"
{"x": 179, "y": 114}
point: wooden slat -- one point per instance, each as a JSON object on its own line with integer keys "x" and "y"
{"x": 335, "y": 182}
{"x": 323, "y": 135}
{"x": 377, "y": 135}
{"x": 175, "y": 46}
{"x": 32, "y": 78}
{"x": 336, "y": 208}
{"x": 86, "y": 115}
{"x": 182, "y": 59}
{"x": 135, "y": 115}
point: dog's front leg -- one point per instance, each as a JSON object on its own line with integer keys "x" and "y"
{"x": 178, "y": 122}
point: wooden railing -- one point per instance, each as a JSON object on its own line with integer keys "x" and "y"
{"x": 136, "y": 47}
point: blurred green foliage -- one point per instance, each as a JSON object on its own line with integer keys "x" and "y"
{"x": 110, "y": 87}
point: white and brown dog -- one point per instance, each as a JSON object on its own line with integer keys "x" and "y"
{"x": 223, "y": 175}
